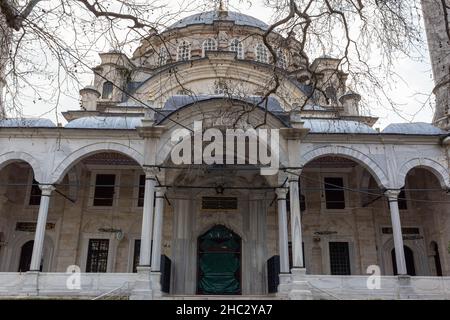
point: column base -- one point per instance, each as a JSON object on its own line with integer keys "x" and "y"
{"x": 143, "y": 286}
{"x": 405, "y": 288}
{"x": 30, "y": 284}
{"x": 285, "y": 284}
{"x": 300, "y": 289}
{"x": 404, "y": 279}
{"x": 156, "y": 284}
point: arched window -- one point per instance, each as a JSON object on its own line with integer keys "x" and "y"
{"x": 281, "y": 59}
{"x": 107, "y": 90}
{"x": 331, "y": 95}
{"x": 184, "y": 51}
{"x": 163, "y": 56}
{"x": 261, "y": 53}
{"x": 436, "y": 258}
{"x": 236, "y": 46}
{"x": 25, "y": 256}
{"x": 209, "y": 45}
{"x": 220, "y": 88}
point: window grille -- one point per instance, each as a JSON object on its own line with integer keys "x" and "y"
{"x": 262, "y": 54}
{"x": 163, "y": 57}
{"x": 236, "y": 46}
{"x": 220, "y": 88}
{"x": 339, "y": 258}
{"x": 184, "y": 51}
{"x": 281, "y": 60}
{"x": 209, "y": 45}
{"x": 97, "y": 260}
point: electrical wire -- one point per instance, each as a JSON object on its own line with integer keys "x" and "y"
{"x": 176, "y": 122}
{"x": 369, "y": 193}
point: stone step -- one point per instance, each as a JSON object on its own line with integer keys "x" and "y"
{"x": 222, "y": 297}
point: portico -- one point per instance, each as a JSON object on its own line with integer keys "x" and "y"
{"x": 103, "y": 202}
{"x": 269, "y": 216}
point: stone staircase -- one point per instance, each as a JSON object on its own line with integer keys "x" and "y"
{"x": 225, "y": 297}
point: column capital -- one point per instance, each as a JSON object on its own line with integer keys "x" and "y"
{"x": 46, "y": 189}
{"x": 151, "y": 172}
{"x": 392, "y": 194}
{"x": 281, "y": 193}
{"x": 294, "y": 174}
{"x": 160, "y": 191}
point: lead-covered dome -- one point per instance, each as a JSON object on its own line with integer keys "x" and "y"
{"x": 209, "y": 17}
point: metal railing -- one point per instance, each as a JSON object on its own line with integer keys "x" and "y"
{"x": 324, "y": 291}
{"x": 119, "y": 293}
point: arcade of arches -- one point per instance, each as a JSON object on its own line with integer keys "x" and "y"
{"x": 220, "y": 228}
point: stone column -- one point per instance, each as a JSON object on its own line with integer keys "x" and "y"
{"x": 296, "y": 221}
{"x": 157, "y": 239}
{"x": 143, "y": 286}
{"x": 147, "y": 218}
{"x": 158, "y": 229}
{"x": 283, "y": 230}
{"x": 40, "y": 227}
{"x": 397, "y": 231}
{"x": 151, "y": 134}
{"x": 298, "y": 288}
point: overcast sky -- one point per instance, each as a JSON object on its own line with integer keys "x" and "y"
{"x": 412, "y": 93}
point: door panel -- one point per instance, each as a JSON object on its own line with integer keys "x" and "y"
{"x": 219, "y": 262}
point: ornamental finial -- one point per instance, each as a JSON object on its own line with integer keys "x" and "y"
{"x": 222, "y": 6}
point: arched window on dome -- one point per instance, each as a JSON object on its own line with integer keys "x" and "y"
{"x": 220, "y": 88}
{"x": 331, "y": 95}
{"x": 163, "y": 56}
{"x": 209, "y": 44}
{"x": 281, "y": 59}
{"x": 261, "y": 53}
{"x": 238, "y": 47}
{"x": 107, "y": 90}
{"x": 184, "y": 51}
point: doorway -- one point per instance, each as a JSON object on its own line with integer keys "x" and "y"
{"x": 26, "y": 253}
{"x": 436, "y": 258}
{"x": 219, "y": 262}
{"x": 409, "y": 259}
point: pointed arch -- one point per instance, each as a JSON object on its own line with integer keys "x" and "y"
{"x": 13, "y": 156}
{"x": 441, "y": 173}
{"x": 352, "y": 154}
{"x": 63, "y": 167}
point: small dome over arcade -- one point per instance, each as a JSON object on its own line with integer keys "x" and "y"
{"x": 122, "y": 123}
{"x": 26, "y": 123}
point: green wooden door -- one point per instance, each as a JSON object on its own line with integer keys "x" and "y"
{"x": 219, "y": 262}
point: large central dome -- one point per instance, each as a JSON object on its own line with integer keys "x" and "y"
{"x": 211, "y": 16}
